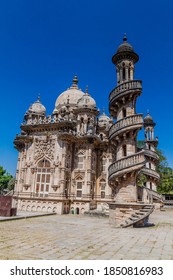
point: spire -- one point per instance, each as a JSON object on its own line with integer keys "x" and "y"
{"x": 38, "y": 98}
{"x": 86, "y": 90}
{"x": 103, "y": 111}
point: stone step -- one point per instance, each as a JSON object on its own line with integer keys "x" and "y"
{"x": 140, "y": 213}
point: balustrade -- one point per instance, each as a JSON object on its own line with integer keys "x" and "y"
{"x": 123, "y": 123}
{"x": 130, "y": 85}
{"x": 151, "y": 154}
{"x": 126, "y": 162}
{"x": 150, "y": 172}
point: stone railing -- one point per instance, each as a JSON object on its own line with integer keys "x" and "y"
{"x": 127, "y": 162}
{"x": 126, "y": 86}
{"x": 150, "y": 172}
{"x": 123, "y": 123}
{"x": 151, "y": 153}
{"x": 155, "y": 194}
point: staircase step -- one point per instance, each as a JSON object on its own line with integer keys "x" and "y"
{"x": 139, "y": 213}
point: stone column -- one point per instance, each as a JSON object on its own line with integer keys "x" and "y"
{"x": 131, "y": 74}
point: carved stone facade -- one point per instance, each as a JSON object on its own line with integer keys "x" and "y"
{"x": 64, "y": 158}
{"x": 76, "y": 160}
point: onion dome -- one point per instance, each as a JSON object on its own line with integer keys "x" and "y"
{"x": 69, "y": 97}
{"x": 37, "y": 108}
{"x": 86, "y": 101}
{"x": 103, "y": 120}
{"x": 148, "y": 120}
{"x": 125, "y": 50}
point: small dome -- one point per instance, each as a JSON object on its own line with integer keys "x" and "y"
{"x": 71, "y": 96}
{"x": 148, "y": 119}
{"x": 37, "y": 108}
{"x": 86, "y": 101}
{"x": 125, "y": 47}
{"x": 103, "y": 119}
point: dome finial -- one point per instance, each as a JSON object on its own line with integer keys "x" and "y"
{"x": 125, "y": 37}
{"x": 38, "y": 98}
{"x": 148, "y": 111}
{"x": 75, "y": 80}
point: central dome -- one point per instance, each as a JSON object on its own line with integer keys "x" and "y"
{"x": 71, "y": 96}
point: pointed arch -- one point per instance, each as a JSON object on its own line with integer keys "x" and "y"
{"x": 79, "y": 177}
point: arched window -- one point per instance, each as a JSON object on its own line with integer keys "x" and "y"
{"x": 79, "y": 182}
{"x": 124, "y": 112}
{"x": 43, "y": 178}
{"x": 103, "y": 164}
{"x": 124, "y": 147}
{"x": 82, "y": 125}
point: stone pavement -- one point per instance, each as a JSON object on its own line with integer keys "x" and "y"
{"x": 85, "y": 238}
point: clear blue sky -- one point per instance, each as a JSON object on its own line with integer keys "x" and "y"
{"x": 43, "y": 43}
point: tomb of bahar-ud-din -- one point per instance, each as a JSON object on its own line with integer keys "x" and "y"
{"x": 78, "y": 160}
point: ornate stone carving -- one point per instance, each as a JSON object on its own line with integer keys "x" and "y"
{"x": 44, "y": 148}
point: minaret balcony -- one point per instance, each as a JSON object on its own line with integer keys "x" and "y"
{"x": 126, "y": 165}
{"x": 150, "y": 173}
{"x": 125, "y": 125}
{"x": 125, "y": 88}
{"x": 151, "y": 154}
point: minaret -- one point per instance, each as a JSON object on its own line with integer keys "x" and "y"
{"x": 151, "y": 156}
{"x": 122, "y": 135}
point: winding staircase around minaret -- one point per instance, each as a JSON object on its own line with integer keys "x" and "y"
{"x": 128, "y": 160}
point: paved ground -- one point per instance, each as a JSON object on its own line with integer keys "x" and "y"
{"x": 79, "y": 237}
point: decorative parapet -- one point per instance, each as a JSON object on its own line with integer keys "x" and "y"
{"x": 47, "y": 120}
{"x": 123, "y": 124}
{"x": 132, "y": 162}
{"x": 125, "y": 86}
{"x": 150, "y": 172}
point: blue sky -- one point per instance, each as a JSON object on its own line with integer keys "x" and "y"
{"x": 44, "y": 43}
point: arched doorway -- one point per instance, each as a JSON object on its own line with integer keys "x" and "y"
{"x": 77, "y": 210}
